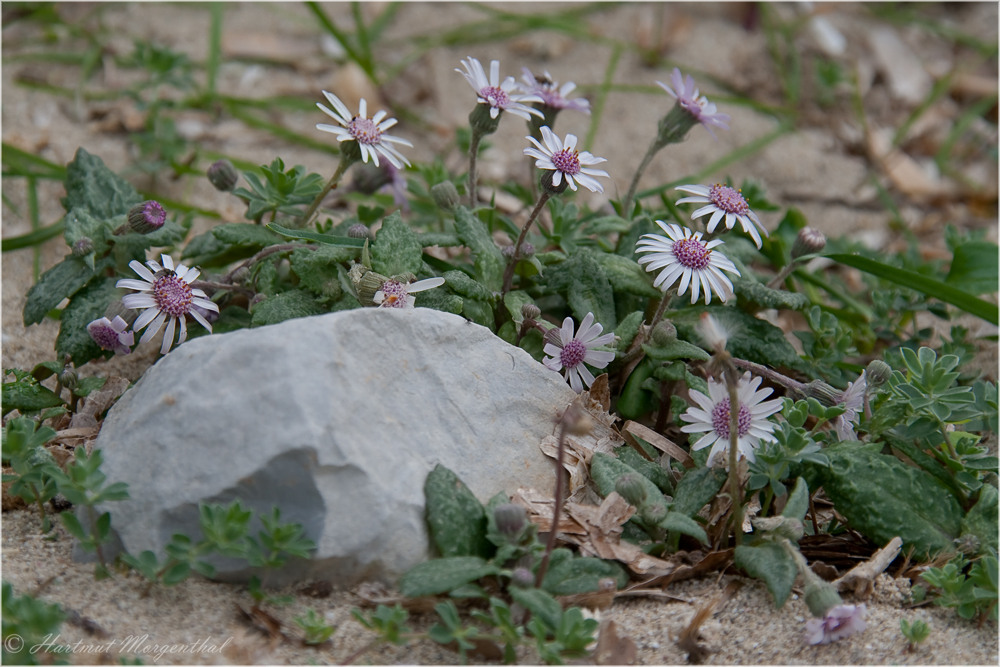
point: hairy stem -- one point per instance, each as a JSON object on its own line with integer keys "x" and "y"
{"x": 654, "y": 148}
{"x": 330, "y": 185}
{"x": 473, "y": 152}
{"x": 508, "y": 273}
{"x": 550, "y": 543}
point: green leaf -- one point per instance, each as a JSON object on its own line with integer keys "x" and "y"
{"x": 86, "y": 306}
{"x": 456, "y": 519}
{"x": 319, "y": 270}
{"x": 697, "y": 488}
{"x": 442, "y": 575}
{"x": 929, "y": 286}
{"x": 326, "y": 239}
{"x": 628, "y": 328}
{"x": 679, "y": 523}
{"x": 605, "y": 471}
{"x": 582, "y": 575}
{"x": 540, "y": 604}
{"x": 397, "y": 249}
{"x": 749, "y": 337}
{"x": 91, "y": 186}
{"x": 626, "y": 275}
{"x": 60, "y": 282}
{"x": 798, "y": 501}
{"x": 882, "y": 498}
{"x": 974, "y": 268}
{"x": 770, "y": 563}
{"x": 246, "y": 234}
{"x": 467, "y": 287}
{"x": 515, "y": 301}
{"x": 748, "y": 289}
{"x": 675, "y": 349}
{"x": 635, "y": 402}
{"x": 285, "y": 306}
{"x": 28, "y": 397}
{"x": 488, "y": 261}
{"x": 981, "y": 520}
{"x": 651, "y": 470}
{"x": 586, "y": 288}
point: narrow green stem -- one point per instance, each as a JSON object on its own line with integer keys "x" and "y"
{"x": 473, "y": 151}
{"x": 508, "y": 273}
{"x": 654, "y": 148}
{"x": 784, "y": 273}
{"x": 658, "y": 315}
{"x": 330, "y": 185}
{"x": 734, "y": 474}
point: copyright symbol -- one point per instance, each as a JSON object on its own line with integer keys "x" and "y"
{"x": 13, "y": 643}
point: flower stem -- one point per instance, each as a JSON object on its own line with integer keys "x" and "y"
{"x": 658, "y": 315}
{"x": 473, "y": 151}
{"x": 784, "y": 273}
{"x": 330, "y": 185}
{"x": 550, "y": 543}
{"x": 508, "y": 273}
{"x": 772, "y": 375}
{"x": 734, "y": 474}
{"x": 654, "y": 148}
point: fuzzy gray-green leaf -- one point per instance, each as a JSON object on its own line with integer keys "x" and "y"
{"x": 61, "y": 281}
{"x": 397, "y": 249}
{"x": 770, "y": 563}
{"x": 285, "y": 306}
{"x": 455, "y": 517}
{"x": 91, "y": 186}
{"x": 486, "y": 256}
{"x": 442, "y": 575}
{"x": 582, "y": 575}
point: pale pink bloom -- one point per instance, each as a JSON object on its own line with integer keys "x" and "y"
{"x": 498, "y": 95}
{"x": 368, "y": 132}
{"x": 727, "y": 205}
{"x": 684, "y": 256}
{"x": 569, "y": 352}
{"x": 563, "y": 158}
{"x": 112, "y": 334}
{"x": 841, "y": 621}
{"x": 687, "y": 96}
{"x": 396, "y": 294}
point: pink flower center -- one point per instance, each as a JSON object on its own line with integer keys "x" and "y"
{"x": 105, "y": 336}
{"x": 720, "y": 419}
{"x": 173, "y": 296}
{"x": 567, "y": 161}
{"x": 692, "y": 253}
{"x": 364, "y": 130}
{"x": 495, "y": 97}
{"x": 572, "y": 354}
{"x": 393, "y": 294}
{"x": 728, "y": 199}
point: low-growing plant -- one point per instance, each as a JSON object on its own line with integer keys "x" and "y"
{"x": 29, "y": 623}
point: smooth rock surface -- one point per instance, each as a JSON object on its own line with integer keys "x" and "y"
{"x": 337, "y": 420}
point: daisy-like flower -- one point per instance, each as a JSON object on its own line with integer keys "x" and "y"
{"x": 685, "y": 256}
{"x": 724, "y": 203}
{"x": 369, "y": 133}
{"x": 853, "y": 399}
{"x": 698, "y": 106}
{"x": 569, "y": 351}
{"x": 553, "y": 95}
{"x": 839, "y": 622}
{"x": 563, "y": 159}
{"x": 165, "y": 295}
{"x": 396, "y": 294}
{"x": 498, "y": 95}
{"x": 711, "y": 417}
{"x": 112, "y": 334}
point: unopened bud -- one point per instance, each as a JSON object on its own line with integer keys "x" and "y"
{"x": 653, "y": 513}
{"x": 359, "y": 231}
{"x": 808, "y": 241}
{"x": 674, "y": 126}
{"x": 240, "y": 275}
{"x": 445, "y": 195}
{"x": 146, "y": 217}
{"x": 530, "y": 311}
{"x": 780, "y": 526}
{"x": 821, "y": 596}
{"x": 511, "y": 520}
{"x": 878, "y": 373}
{"x": 68, "y": 378}
{"x": 664, "y": 333}
{"x": 823, "y": 392}
{"x": 83, "y": 247}
{"x": 522, "y": 577}
{"x": 367, "y": 178}
{"x": 508, "y": 252}
{"x": 527, "y": 250}
{"x": 222, "y": 174}
{"x": 631, "y": 488}
{"x": 576, "y": 421}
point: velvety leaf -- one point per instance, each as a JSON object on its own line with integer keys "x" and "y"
{"x": 679, "y": 523}
{"x": 86, "y": 306}
{"x": 318, "y": 270}
{"x": 539, "y": 603}
{"x": 326, "y": 239}
{"x": 207, "y": 251}
{"x": 675, "y": 349}
{"x": 748, "y": 289}
{"x": 750, "y": 338}
{"x": 798, "y": 501}
{"x": 478, "y": 311}
{"x": 626, "y": 275}
{"x": 285, "y": 306}
{"x": 981, "y": 520}
{"x": 455, "y": 517}
{"x": 442, "y": 575}
{"x": 61, "y": 281}
{"x": 467, "y": 287}
{"x": 582, "y": 575}
{"x": 651, "y": 470}
{"x": 605, "y": 471}
{"x": 770, "y": 563}
{"x": 397, "y": 249}
{"x": 246, "y": 234}
{"x": 696, "y": 489}
{"x": 514, "y": 301}
{"x": 628, "y": 328}
{"x": 91, "y": 186}
{"x": 635, "y": 402}
{"x": 486, "y": 257}
{"x": 881, "y": 497}
{"x": 586, "y": 288}
{"x": 27, "y": 397}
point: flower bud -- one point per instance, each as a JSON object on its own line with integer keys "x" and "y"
{"x": 631, "y": 488}
{"x": 878, "y": 373}
{"x": 530, "y": 311}
{"x": 522, "y": 577}
{"x": 821, "y": 596}
{"x": 510, "y": 520}
{"x": 808, "y": 241}
{"x": 146, "y": 217}
{"x": 822, "y": 392}
{"x": 508, "y": 252}
{"x": 780, "y": 526}
{"x": 359, "y": 231}
{"x": 527, "y": 250}
{"x": 445, "y": 195}
{"x": 547, "y": 185}
{"x": 664, "y": 333}
{"x": 68, "y": 378}
{"x": 222, "y": 174}
{"x": 83, "y": 247}
{"x": 653, "y": 513}
{"x": 481, "y": 120}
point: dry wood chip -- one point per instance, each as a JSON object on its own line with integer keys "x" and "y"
{"x": 632, "y": 430}
{"x": 861, "y": 578}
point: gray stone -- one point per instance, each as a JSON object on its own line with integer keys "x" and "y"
{"x": 336, "y": 420}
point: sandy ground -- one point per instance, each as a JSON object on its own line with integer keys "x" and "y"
{"x": 821, "y": 168}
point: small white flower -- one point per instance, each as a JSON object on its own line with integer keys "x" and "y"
{"x": 500, "y": 96}
{"x": 841, "y": 621}
{"x": 165, "y": 295}
{"x": 563, "y": 158}
{"x": 684, "y": 256}
{"x": 553, "y": 95}
{"x": 570, "y": 352}
{"x": 853, "y": 399}
{"x": 686, "y": 94}
{"x": 112, "y": 334}
{"x": 368, "y": 132}
{"x": 711, "y": 416}
{"x": 395, "y": 294}
{"x": 724, "y": 203}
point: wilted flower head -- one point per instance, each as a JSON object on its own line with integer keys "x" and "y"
{"x": 565, "y": 161}
{"x": 853, "y": 399}
{"x": 165, "y": 295}
{"x": 368, "y": 133}
{"x": 711, "y": 416}
{"x": 725, "y": 204}
{"x": 498, "y": 95}
{"x": 553, "y": 95}
{"x": 684, "y": 256}
{"x": 569, "y": 352}
{"x": 695, "y": 105}
{"x": 112, "y": 334}
{"x": 396, "y": 294}
{"x": 839, "y": 622}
